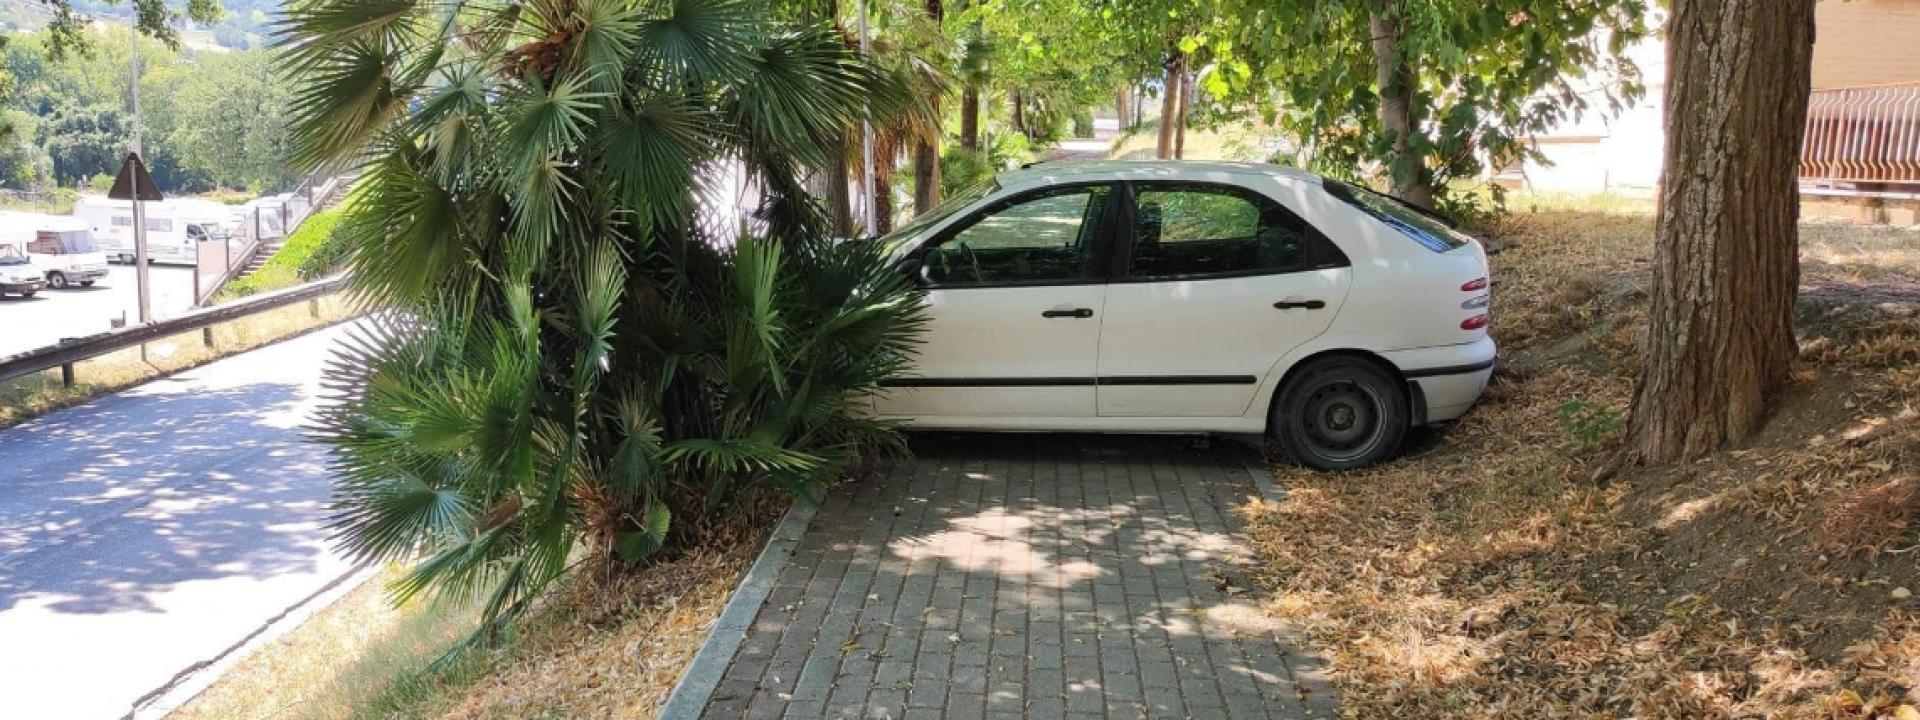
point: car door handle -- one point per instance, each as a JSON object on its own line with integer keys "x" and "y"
{"x": 1080, "y": 313}
{"x": 1300, "y": 304}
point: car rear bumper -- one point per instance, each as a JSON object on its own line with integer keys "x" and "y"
{"x": 1449, "y": 379}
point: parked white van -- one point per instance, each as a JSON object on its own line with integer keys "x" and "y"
{"x": 67, "y": 258}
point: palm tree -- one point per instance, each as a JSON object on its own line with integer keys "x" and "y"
{"x": 577, "y": 351}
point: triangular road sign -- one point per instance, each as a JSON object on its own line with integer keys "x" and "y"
{"x": 123, "y": 183}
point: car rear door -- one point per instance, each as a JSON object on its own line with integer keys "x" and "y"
{"x": 1015, "y": 297}
{"x": 1212, "y": 284}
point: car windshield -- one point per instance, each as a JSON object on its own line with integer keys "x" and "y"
{"x": 11, "y": 255}
{"x": 76, "y": 242}
{"x": 1420, "y": 225}
{"x": 961, "y": 198}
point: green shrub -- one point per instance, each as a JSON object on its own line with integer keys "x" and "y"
{"x": 572, "y": 364}
{"x": 313, "y": 251}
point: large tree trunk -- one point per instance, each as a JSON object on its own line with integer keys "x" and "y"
{"x": 1170, "y": 102}
{"x": 1726, "y": 264}
{"x": 1186, "y": 111}
{"x": 834, "y": 183}
{"x": 1393, "y": 75}
{"x": 926, "y": 150}
{"x": 1017, "y": 111}
{"x": 1122, "y": 98}
{"x": 970, "y": 118}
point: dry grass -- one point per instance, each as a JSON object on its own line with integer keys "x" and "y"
{"x": 25, "y": 397}
{"x": 601, "y": 645}
{"x": 1488, "y": 575}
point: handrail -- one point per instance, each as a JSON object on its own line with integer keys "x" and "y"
{"x": 71, "y": 350}
{"x": 312, "y": 195}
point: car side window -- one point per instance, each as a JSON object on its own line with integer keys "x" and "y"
{"x": 1208, "y": 230}
{"x": 1043, "y": 237}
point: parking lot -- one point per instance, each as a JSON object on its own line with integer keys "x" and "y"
{"x": 45, "y": 318}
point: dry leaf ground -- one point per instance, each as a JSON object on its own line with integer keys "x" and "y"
{"x": 1488, "y": 574}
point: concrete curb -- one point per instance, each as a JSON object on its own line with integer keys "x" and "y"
{"x": 703, "y": 674}
{"x": 196, "y": 678}
{"x": 1256, "y": 463}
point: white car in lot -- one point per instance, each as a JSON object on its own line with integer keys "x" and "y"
{"x": 1193, "y": 297}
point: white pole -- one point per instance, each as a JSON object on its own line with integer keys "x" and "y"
{"x": 868, "y": 208}
{"x": 139, "y": 213}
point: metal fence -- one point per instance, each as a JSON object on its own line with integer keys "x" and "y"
{"x": 220, "y": 261}
{"x": 1863, "y": 135}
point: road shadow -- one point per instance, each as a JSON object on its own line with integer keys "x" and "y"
{"x": 109, "y": 503}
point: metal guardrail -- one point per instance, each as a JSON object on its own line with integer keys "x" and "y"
{"x": 71, "y": 350}
{"x": 1863, "y": 135}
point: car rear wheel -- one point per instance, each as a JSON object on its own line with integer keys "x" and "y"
{"x": 1340, "y": 413}
{"x": 56, "y": 281}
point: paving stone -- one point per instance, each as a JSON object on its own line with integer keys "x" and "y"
{"x": 1021, "y": 577}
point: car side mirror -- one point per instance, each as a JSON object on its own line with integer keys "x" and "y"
{"x": 914, "y": 269}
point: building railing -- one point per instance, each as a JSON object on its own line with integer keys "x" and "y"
{"x": 1863, "y": 135}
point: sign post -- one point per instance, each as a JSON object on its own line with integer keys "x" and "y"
{"x": 134, "y": 183}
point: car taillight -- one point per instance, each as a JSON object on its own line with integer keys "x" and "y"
{"x": 1474, "y": 284}
{"x": 1474, "y": 323}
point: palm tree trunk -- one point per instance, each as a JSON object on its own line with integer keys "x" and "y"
{"x": 1726, "y": 266}
{"x": 839, "y": 199}
{"x": 926, "y": 149}
{"x": 970, "y": 117}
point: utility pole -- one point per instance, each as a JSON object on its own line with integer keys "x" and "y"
{"x": 139, "y": 213}
{"x": 867, "y": 206}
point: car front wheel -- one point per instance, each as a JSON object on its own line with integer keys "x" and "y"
{"x": 1340, "y": 413}
{"x": 56, "y": 281}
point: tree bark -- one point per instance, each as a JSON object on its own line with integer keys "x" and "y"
{"x": 970, "y": 118}
{"x": 1393, "y": 75}
{"x": 839, "y": 198}
{"x": 1726, "y": 264}
{"x": 1122, "y": 97}
{"x": 886, "y": 151}
{"x": 1186, "y": 110}
{"x": 926, "y": 150}
{"x": 1170, "y": 102}
{"x": 1018, "y": 111}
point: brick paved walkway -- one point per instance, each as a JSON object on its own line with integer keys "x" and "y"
{"x": 1024, "y": 576}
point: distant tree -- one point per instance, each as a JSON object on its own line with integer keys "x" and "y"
{"x": 84, "y": 141}
{"x": 1726, "y": 262}
{"x": 67, "y": 31}
{"x": 1431, "y": 91}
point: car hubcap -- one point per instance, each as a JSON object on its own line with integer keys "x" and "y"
{"x": 1342, "y": 420}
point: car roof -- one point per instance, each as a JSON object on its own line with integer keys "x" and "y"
{"x": 1044, "y": 173}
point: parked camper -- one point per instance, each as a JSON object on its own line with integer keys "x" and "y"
{"x": 17, "y": 275}
{"x": 172, "y": 235}
{"x": 67, "y": 258}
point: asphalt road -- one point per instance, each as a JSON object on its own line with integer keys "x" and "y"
{"x": 151, "y": 529}
{"x": 28, "y": 323}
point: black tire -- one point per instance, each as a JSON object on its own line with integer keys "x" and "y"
{"x": 56, "y": 281}
{"x": 86, "y": 283}
{"x": 1340, "y": 413}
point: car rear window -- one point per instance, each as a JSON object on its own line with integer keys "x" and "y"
{"x": 1420, "y": 225}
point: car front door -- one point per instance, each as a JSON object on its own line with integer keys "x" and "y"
{"x": 1213, "y": 285}
{"x": 1015, "y": 299}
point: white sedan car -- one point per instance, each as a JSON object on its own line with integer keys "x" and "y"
{"x": 1193, "y": 297}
